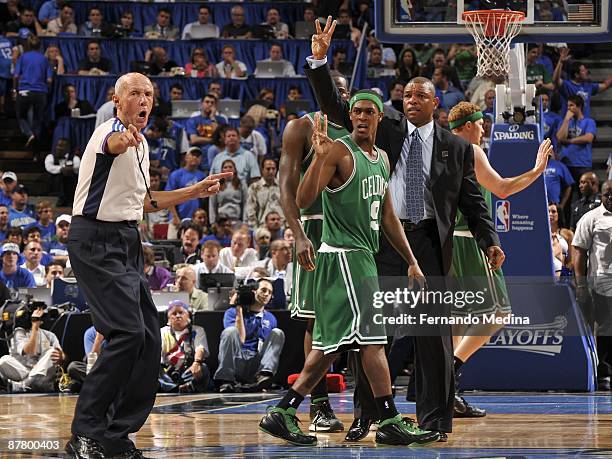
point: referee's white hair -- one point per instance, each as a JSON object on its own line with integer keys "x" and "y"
{"x": 124, "y": 80}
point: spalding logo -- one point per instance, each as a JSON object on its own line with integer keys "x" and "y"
{"x": 513, "y": 134}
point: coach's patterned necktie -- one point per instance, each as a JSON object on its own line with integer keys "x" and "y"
{"x": 415, "y": 185}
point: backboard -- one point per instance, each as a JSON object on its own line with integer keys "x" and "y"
{"x": 548, "y": 21}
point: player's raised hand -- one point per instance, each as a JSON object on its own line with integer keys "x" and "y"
{"x": 304, "y": 251}
{"x": 544, "y": 151}
{"x": 322, "y": 38}
{"x": 210, "y": 185}
{"x": 320, "y": 140}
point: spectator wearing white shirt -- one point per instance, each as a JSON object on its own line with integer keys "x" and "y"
{"x": 33, "y": 254}
{"x": 252, "y": 140}
{"x": 205, "y": 29}
{"x": 63, "y": 167}
{"x": 211, "y": 262}
{"x": 276, "y": 55}
{"x": 592, "y": 248}
{"x": 230, "y": 67}
{"x": 279, "y": 265}
{"x": 238, "y": 254}
{"x": 64, "y": 23}
{"x": 107, "y": 109}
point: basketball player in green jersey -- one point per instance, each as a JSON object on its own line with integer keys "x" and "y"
{"x": 470, "y": 266}
{"x": 354, "y": 175}
{"x": 307, "y": 225}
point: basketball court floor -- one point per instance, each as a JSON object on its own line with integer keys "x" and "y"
{"x": 225, "y": 425}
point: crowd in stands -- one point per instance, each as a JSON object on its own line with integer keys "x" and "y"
{"x": 241, "y": 230}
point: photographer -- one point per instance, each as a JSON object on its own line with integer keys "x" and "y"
{"x": 184, "y": 348}
{"x": 33, "y": 354}
{"x": 251, "y": 344}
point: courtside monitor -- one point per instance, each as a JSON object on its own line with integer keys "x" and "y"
{"x": 215, "y": 280}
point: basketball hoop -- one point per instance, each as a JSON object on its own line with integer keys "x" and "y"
{"x": 493, "y": 30}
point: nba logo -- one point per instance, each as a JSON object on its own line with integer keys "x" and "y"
{"x": 502, "y": 216}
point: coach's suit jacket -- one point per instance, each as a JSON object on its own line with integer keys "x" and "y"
{"x": 452, "y": 178}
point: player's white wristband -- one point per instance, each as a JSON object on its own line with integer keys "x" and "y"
{"x": 316, "y": 63}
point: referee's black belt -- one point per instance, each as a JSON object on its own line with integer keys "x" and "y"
{"x": 411, "y": 226}
{"x": 132, "y": 223}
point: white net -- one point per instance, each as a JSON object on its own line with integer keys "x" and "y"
{"x": 493, "y": 32}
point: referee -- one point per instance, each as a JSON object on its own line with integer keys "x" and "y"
{"x": 106, "y": 255}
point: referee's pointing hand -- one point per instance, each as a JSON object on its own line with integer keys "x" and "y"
{"x": 211, "y": 184}
{"x": 129, "y": 138}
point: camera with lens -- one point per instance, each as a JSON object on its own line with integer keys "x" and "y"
{"x": 17, "y": 313}
{"x": 246, "y": 295}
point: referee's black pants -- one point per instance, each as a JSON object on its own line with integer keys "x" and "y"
{"x": 434, "y": 374}
{"x": 119, "y": 392}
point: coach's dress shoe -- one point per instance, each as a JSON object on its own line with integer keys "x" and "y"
{"x": 359, "y": 429}
{"x": 443, "y": 437}
{"x": 463, "y": 409}
{"x": 84, "y": 448}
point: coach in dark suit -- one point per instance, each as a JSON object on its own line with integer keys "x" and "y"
{"x": 432, "y": 175}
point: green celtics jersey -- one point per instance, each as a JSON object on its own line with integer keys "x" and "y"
{"x": 334, "y": 132}
{"x": 352, "y": 212}
{"x": 461, "y": 222}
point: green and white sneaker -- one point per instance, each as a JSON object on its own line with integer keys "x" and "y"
{"x": 283, "y": 424}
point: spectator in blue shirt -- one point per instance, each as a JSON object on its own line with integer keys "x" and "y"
{"x": 44, "y": 211}
{"x": 4, "y": 226}
{"x": 245, "y": 161}
{"x": 57, "y": 247}
{"x": 559, "y": 182}
{"x": 221, "y": 231}
{"x": 32, "y": 234}
{"x": 164, "y": 138}
{"x": 187, "y": 176}
{"x": 49, "y": 10}
{"x": 32, "y": 79}
{"x": 9, "y": 182}
{"x": 200, "y": 128}
{"x": 576, "y": 135}
{"x": 578, "y": 84}
{"x": 449, "y": 95}
{"x": 6, "y": 53}
{"x": 12, "y": 274}
{"x": 251, "y": 343}
{"x": 551, "y": 120}
{"x": 21, "y": 214}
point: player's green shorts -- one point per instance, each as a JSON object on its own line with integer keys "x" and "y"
{"x": 345, "y": 317}
{"x": 302, "y": 295}
{"x": 472, "y": 273}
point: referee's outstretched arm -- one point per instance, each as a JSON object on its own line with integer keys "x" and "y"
{"x": 207, "y": 187}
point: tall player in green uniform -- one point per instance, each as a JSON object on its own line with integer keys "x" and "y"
{"x": 470, "y": 266}
{"x": 354, "y": 175}
{"x": 307, "y": 225}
